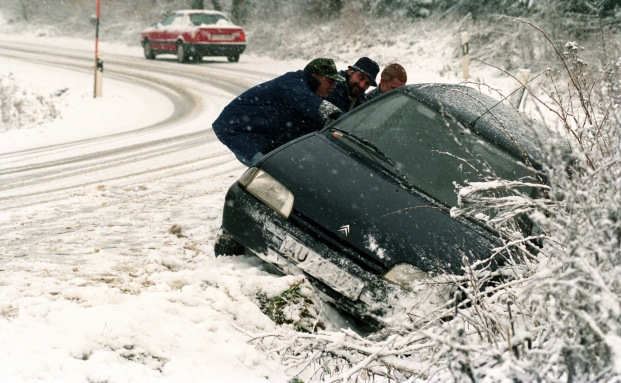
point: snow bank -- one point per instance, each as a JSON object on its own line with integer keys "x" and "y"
{"x": 21, "y": 108}
{"x": 43, "y": 105}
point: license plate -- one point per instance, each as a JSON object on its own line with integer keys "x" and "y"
{"x": 321, "y": 268}
{"x": 222, "y": 37}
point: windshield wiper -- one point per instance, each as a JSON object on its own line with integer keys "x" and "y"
{"x": 369, "y": 146}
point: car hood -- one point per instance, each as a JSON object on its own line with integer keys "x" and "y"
{"x": 349, "y": 201}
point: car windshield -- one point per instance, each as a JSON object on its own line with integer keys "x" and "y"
{"x": 430, "y": 151}
{"x": 205, "y": 18}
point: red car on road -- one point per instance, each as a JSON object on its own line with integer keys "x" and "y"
{"x": 192, "y": 34}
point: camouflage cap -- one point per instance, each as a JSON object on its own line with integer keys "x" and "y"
{"x": 324, "y": 67}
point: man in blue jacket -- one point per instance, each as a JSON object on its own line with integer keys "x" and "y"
{"x": 277, "y": 111}
{"x": 349, "y": 94}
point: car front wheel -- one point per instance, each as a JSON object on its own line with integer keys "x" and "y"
{"x": 233, "y": 58}
{"x": 148, "y": 50}
{"x": 182, "y": 56}
{"x": 226, "y": 245}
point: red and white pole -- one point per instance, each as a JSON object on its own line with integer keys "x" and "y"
{"x": 98, "y": 63}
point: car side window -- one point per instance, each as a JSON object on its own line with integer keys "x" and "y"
{"x": 168, "y": 20}
{"x": 179, "y": 20}
{"x": 432, "y": 151}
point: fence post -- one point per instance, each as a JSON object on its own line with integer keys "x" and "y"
{"x": 97, "y": 92}
{"x": 523, "y": 77}
{"x": 465, "y": 54}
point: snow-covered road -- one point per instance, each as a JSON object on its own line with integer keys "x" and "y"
{"x": 175, "y": 141}
{"x": 107, "y": 222}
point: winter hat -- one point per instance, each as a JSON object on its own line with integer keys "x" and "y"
{"x": 324, "y": 67}
{"x": 367, "y": 66}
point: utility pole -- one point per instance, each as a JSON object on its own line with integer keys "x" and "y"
{"x": 98, "y": 62}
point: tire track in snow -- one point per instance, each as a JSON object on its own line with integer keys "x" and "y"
{"x": 21, "y": 173}
{"x": 133, "y": 61}
{"x": 223, "y": 168}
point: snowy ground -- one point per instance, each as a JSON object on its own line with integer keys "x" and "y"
{"x": 115, "y": 279}
{"x": 94, "y": 286}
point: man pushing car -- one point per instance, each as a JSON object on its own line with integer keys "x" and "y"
{"x": 358, "y": 77}
{"x": 277, "y": 111}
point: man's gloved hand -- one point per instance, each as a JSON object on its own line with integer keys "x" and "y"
{"x": 329, "y": 112}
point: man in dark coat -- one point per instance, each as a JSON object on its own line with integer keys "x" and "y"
{"x": 277, "y": 111}
{"x": 360, "y": 76}
{"x": 392, "y": 77}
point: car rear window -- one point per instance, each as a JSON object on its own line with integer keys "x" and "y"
{"x": 432, "y": 152}
{"x": 206, "y": 19}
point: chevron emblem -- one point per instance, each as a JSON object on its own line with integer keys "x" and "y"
{"x": 344, "y": 229}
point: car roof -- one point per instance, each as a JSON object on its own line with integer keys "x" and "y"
{"x": 485, "y": 116}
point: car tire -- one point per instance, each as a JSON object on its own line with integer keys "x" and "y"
{"x": 226, "y": 245}
{"x": 182, "y": 55}
{"x": 233, "y": 58}
{"x": 148, "y": 50}
{"x": 196, "y": 59}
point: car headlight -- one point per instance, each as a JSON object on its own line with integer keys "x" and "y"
{"x": 267, "y": 190}
{"x": 405, "y": 274}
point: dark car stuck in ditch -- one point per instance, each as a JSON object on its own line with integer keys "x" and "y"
{"x": 363, "y": 206}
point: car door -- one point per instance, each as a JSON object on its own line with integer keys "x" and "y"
{"x": 172, "y": 30}
{"x": 158, "y": 34}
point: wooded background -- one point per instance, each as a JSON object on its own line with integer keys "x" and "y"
{"x": 246, "y": 11}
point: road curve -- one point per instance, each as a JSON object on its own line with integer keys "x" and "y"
{"x": 145, "y": 152}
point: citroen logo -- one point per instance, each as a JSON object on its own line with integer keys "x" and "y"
{"x": 344, "y": 229}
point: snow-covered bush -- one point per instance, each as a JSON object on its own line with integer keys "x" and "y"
{"x": 20, "y": 108}
{"x": 296, "y": 306}
{"x": 562, "y": 320}
{"x": 563, "y": 311}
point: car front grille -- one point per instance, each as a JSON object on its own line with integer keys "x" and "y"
{"x": 313, "y": 229}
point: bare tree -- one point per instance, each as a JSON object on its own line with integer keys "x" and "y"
{"x": 24, "y": 10}
{"x": 327, "y": 8}
{"x": 239, "y": 13}
{"x": 216, "y": 5}
{"x": 200, "y": 4}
